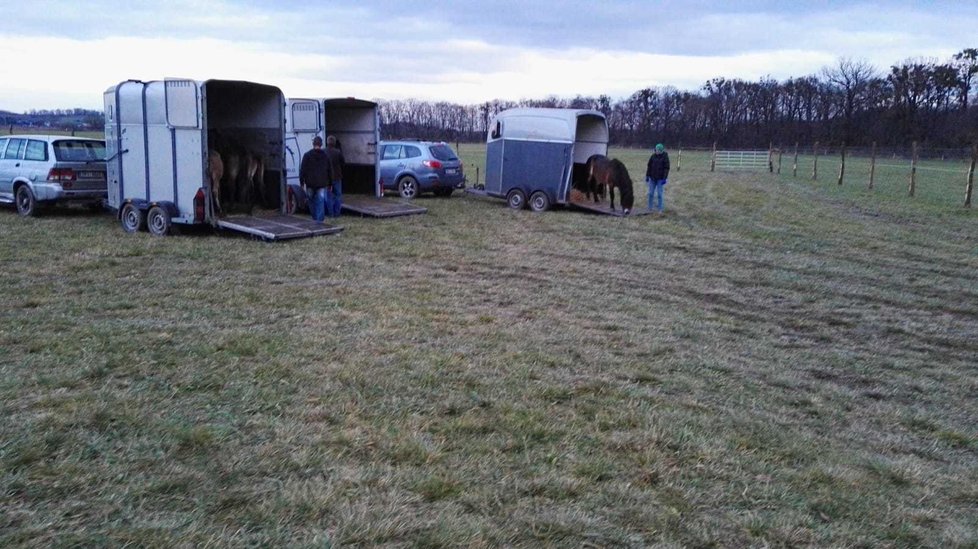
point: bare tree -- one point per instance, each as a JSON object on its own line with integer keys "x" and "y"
{"x": 851, "y": 78}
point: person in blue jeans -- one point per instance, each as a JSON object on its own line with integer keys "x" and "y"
{"x": 656, "y": 176}
{"x": 314, "y": 174}
{"x": 334, "y": 202}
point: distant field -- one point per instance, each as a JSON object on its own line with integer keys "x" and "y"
{"x": 773, "y": 362}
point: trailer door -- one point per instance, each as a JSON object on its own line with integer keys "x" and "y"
{"x": 303, "y": 121}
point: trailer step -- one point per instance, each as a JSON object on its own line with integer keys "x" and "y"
{"x": 380, "y": 207}
{"x": 279, "y": 227}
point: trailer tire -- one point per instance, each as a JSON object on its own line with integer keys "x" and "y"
{"x": 158, "y": 221}
{"x": 539, "y": 201}
{"x": 516, "y": 199}
{"x": 26, "y": 202}
{"x": 132, "y": 218}
{"x": 407, "y": 187}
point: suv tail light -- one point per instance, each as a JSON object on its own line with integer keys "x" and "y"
{"x": 432, "y": 163}
{"x": 62, "y": 175}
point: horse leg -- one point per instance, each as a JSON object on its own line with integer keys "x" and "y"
{"x": 611, "y": 199}
{"x": 215, "y": 171}
{"x": 258, "y": 176}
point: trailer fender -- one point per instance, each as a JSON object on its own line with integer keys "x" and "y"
{"x": 139, "y": 203}
{"x": 168, "y": 206}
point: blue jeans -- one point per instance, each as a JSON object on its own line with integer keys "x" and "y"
{"x": 317, "y": 203}
{"x": 655, "y": 193}
{"x": 334, "y": 201}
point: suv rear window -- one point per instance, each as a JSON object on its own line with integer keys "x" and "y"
{"x": 74, "y": 150}
{"x": 443, "y": 152}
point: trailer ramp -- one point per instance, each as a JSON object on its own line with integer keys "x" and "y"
{"x": 603, "y": 207}
{"x": 380, "y": 207}
{"x": 278, "y": 227}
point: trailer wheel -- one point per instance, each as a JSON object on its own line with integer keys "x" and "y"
{"x": 132, "y": 218}
{"x": 26, "y": 203}
{"x": 158, "y": 221}
{"x": 407, "y": 187}
{"x": 516, "y": 199}
{"x": 539, "y": 201}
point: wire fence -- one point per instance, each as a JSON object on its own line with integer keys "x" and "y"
{"x": 940, "y": 176}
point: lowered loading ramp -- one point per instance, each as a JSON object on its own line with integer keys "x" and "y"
{"x": 279, "y": 227}
{"x": 379, "y": 207}
{"x": 602, "y": 207}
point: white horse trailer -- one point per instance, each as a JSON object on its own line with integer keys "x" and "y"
{"x": 159, "y": 135}
{"x": 356, "y": 125}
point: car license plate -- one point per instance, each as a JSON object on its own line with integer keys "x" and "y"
{"x": 451, "y": 171}
{"x": 89, "y": 175}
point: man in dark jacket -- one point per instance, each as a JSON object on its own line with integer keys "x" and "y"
{"x": 334, "y": 200}
{"x": 657, "y": 175}
{"x": 314, "y": 176}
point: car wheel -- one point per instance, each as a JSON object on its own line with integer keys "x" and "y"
{"x": 26, "y": 203}
{"x": 516, "y": 199}
{"x": 132, "y": 219}
{"x": 539, "y": 201}
{"x": 407, "y": 187}
{"x": 158, "y": 221}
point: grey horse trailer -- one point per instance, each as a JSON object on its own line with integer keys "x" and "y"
{"x": 188, "y": 152}
{"x": 534, "y": 156}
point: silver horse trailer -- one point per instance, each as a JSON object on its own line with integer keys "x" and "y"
{"x": 536, "y": 156}
{"x": 159, "y": 137}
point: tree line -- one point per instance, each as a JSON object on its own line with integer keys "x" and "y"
{"x": 851, "y": 103}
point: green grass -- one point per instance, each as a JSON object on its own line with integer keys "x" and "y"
{"x": 773, "y": 362}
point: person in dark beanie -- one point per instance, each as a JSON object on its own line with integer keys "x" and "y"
{"x": 314, "y": 176}
{"x": 334, "y": 201}
{"x": 657, "y": 175}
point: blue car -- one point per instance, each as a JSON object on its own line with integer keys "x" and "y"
{"x": 415, "y": 167}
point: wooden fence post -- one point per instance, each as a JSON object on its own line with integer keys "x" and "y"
{"x": 770, "y": 158}
{"x": 780, "y": 154}
{"x": 794, "y": 167}
{"x": 815, "y": 163}
{"x": 971, "y": 177}
{"x": 679, "y": 160}
{"x": 713, "y": 157}
{"x": 913, "y": 171}
{"x": 872, "y": 166}
{"x": 842, "y": 167}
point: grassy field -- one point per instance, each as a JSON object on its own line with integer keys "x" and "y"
{"x": 773, "y": 362}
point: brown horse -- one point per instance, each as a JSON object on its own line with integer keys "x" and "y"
{"x": 607, "y": 173}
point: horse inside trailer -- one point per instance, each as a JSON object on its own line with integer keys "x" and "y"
{"x": 244, "y": 125}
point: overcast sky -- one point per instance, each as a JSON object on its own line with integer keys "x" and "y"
{"x": 60, "y": 54}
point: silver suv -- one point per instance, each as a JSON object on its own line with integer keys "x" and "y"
{"x": 414, "y": 167}
{"x": 37, "y": 170}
